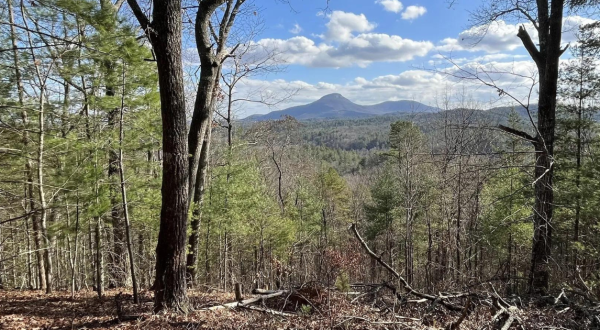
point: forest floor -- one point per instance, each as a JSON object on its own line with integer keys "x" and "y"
{"x": 330, "y": 310}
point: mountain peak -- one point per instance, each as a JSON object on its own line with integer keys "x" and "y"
{"x": 333, "y": 96}
{"x": 335, "y": 105}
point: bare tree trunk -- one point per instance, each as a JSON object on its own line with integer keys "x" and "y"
{"x": 211, "y": 60}
{"x": 98, "y": 237}
{"x": 73, "y": 258}
{"x": 547, "y": 60}
{"x": 124, "y": 198}
{"x": 164, "y": 32}
{"x": 194, "y": 241}
{"x": 40, "y": 177}
{"x": 99, "y": 259}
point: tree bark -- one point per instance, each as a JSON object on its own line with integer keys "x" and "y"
{"x": 194, "y": 240}
{"x": 211, "y": 60}
{"x": 210, "y": 67}
{"x": 547, "y": 60}
{"x": 164, "y": 33}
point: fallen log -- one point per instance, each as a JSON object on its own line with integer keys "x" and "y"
{"x": 247, "y": 301}
{"x": 456, "y": 324}
{"x": 263, "y": 291}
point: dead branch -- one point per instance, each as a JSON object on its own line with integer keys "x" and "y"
{"x": 466, "y": 311}
{"x": 443, "y": 299}
{"x": 265, "y": 310}
{"x": 505, "y": 314}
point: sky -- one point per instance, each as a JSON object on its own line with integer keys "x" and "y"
{"x": 373, "y": 51}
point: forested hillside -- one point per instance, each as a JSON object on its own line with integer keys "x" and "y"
{"x": 132, "y": 195}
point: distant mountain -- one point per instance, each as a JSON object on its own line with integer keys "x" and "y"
{"x": 335, "y": 106}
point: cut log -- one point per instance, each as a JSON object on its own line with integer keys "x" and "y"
{"x": 238, "y": 292}
{"x": 247, "y": 301}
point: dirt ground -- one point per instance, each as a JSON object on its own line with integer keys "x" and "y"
{"x": 331, "y": 310}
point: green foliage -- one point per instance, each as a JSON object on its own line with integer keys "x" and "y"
{"x": 238, "y": 202}
{"x": 342, "y": 282}
{"x": 383, "y": 208}
{"x": 305, "y": 310}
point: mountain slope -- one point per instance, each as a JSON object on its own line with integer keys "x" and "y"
{"x": 335, "y": 106}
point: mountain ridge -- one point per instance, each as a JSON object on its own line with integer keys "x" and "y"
{"x": 336, "y": 106}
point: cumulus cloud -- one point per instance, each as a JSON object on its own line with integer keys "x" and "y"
{"x": 393, "y": 6}
{"x": 341, "y": 25}
{"x": 342, "y": 47}
{"x": 296, "y": 29}
{"x": 501, "y": 36}
{"x": 360, "y": 50}
{"x": 413, "y": 12}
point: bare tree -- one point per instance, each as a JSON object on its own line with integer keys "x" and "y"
{"x": 546, "y": 17}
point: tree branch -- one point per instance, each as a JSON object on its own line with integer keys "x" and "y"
{"x": 139, "y": 14}
{"x": 518, "y": 133}
{"x": 529, "y": 45}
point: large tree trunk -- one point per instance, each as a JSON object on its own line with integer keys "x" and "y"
{"x": 201, "y": 120}
{"x": 547, "y": 60}
{"x": 165, "y": 35}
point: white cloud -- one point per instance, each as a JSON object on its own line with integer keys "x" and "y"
{"x": 296, "y": 29}
{"x": 342, "y": 48}
{"x": 393, "y": 6}
{"x": 413, "y": 12}
{"x": 376, "y": 47}
{"x": 360, "y": 50}
{"x": 501, "y": 36}
{"x": 342, "y": 24}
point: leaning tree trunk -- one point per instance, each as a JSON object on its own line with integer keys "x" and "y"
{"x": 29, "y": 194}
{"x": 194, "y": 241}
{"x": 212, "y": 53}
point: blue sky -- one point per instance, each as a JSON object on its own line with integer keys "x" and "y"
{"x": 281, "y": 19}
{"x": 373, "y": 51}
